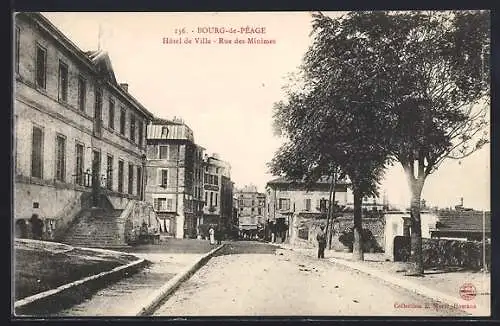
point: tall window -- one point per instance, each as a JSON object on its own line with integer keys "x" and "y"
{"x": 111, "y": 115}
{"x": 120, "y": 176}
{"x": 98, "y": 112}
{"x": 41, "y": 67}
{"x": 132, "y": 127}
{"x": 206, "y": 198}
{"x": 37, "y": 153}
{"x": 284, "y": 203}
{"x": 163, "y": 178}
{"x": 122, "y": 121}
{"x": 18, "y": 41}
{"x": 211, "y": 198}
{"x": 79, "y": 164}
{"x": 130, "y": 178}
{"x": 139, "y": 182}
{"x": 109, "y": 173}
{"x": 82, "y": 92}
{"x": 308, "y": 204}
{"x": 141, "y": 131}
{"x": 63, "y": 81}
{"x": 160, "y": 204}
{"x": 259, "y": 211}
{"x": 216, "y": 196}
{"x": 60, "y": 158}
{"x": 96, "y": 166}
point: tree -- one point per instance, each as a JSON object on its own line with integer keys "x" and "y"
{"x": 318, "y": 147}
{"x": 425, "y": 73}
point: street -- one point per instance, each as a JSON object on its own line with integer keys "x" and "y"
{"x": 254, "y": 280}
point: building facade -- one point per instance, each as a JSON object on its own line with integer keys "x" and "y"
{"x": 218, "y": 192}
{"x": 74, "y": 125}
{"x": 175, "y": 177}
{"x": 285, "y": 198}
{"x": 251, "y": 210}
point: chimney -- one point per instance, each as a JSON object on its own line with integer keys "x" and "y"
{"x": 124, "y": 86}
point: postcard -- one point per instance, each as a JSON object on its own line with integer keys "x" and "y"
{"x": 180, "y": 164}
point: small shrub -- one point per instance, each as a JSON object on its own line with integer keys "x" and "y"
{"x": 370, "y": 244}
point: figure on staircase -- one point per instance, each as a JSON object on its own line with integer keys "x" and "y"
{"x": 36, "y": 227}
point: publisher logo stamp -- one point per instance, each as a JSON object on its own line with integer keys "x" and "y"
{"x": 467, "y": 291}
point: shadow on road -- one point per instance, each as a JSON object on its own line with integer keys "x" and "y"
{"x": 247, "y": 247}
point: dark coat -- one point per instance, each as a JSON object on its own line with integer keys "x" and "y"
{"x": 321, "y": 237}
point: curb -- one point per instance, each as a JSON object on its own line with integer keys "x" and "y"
{"x": 168, "y": 288}
{"x": 410, "y": 286}
{"x": 51, "y": 300}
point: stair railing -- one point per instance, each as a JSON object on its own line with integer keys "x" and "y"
{"x": 62, "y": 222}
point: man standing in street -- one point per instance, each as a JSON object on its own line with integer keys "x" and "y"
{"x": 321, "y": 237}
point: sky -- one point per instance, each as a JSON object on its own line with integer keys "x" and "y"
{"x": 225, "y": 92}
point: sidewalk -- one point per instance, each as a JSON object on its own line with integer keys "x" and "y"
{"x": 124, "y": 297}
{"x": 437, "y": 285}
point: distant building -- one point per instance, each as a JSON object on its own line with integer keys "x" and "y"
{"x": 251, "y": 209}
{"x": 218, "y": 192}
{"x": 462, "y": 225}
{"x": 175, "y": 183}
{"x": 285, "y": 197}
{"x": 75, "y": 126}
{"x": 235, "y": 219}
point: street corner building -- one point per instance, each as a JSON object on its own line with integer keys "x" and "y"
{"x": 80, "y": 140}
{"x": 175, "y": 177}
{"x": 290, "y": 202}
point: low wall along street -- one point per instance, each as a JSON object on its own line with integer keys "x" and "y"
{"x": 305, "y": 230}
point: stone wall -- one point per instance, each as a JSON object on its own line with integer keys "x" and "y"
{"x": 304, "y": 231}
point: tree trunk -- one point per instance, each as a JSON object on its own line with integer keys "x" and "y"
{"x": 331, "y": 211}
{"x": 332, "y": 185}
{"x": 416, "y": 263}
{"x": 357, "y": 246}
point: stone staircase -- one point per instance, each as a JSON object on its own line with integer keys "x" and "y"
{"x": 97, "y": 228}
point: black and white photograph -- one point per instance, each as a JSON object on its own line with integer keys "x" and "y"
{"x": 266, "y": 163}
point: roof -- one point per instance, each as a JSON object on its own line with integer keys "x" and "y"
{"x": 96, "y": 61}
{"x": 322, "y": 181}
{"x": 169, "y": 132}
{"x": 463, "y": 221}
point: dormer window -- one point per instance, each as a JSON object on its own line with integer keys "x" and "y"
{"x": 164, "y": 132}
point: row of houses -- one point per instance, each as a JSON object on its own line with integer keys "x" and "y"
{"x": 76, "y": 128}
{"x": 290, "y": 211}
{"x": 267, "y": 213}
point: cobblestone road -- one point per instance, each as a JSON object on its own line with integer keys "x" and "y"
{"x": 288, "y": 284}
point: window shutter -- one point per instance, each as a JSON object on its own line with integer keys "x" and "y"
{"x": 172, "y": 177}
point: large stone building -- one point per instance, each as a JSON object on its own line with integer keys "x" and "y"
{"x": 218, "y": 192}
{"x": 251, "y": 210}
{"x": 75, "y": 126}
{"x": 175, "y": 177}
